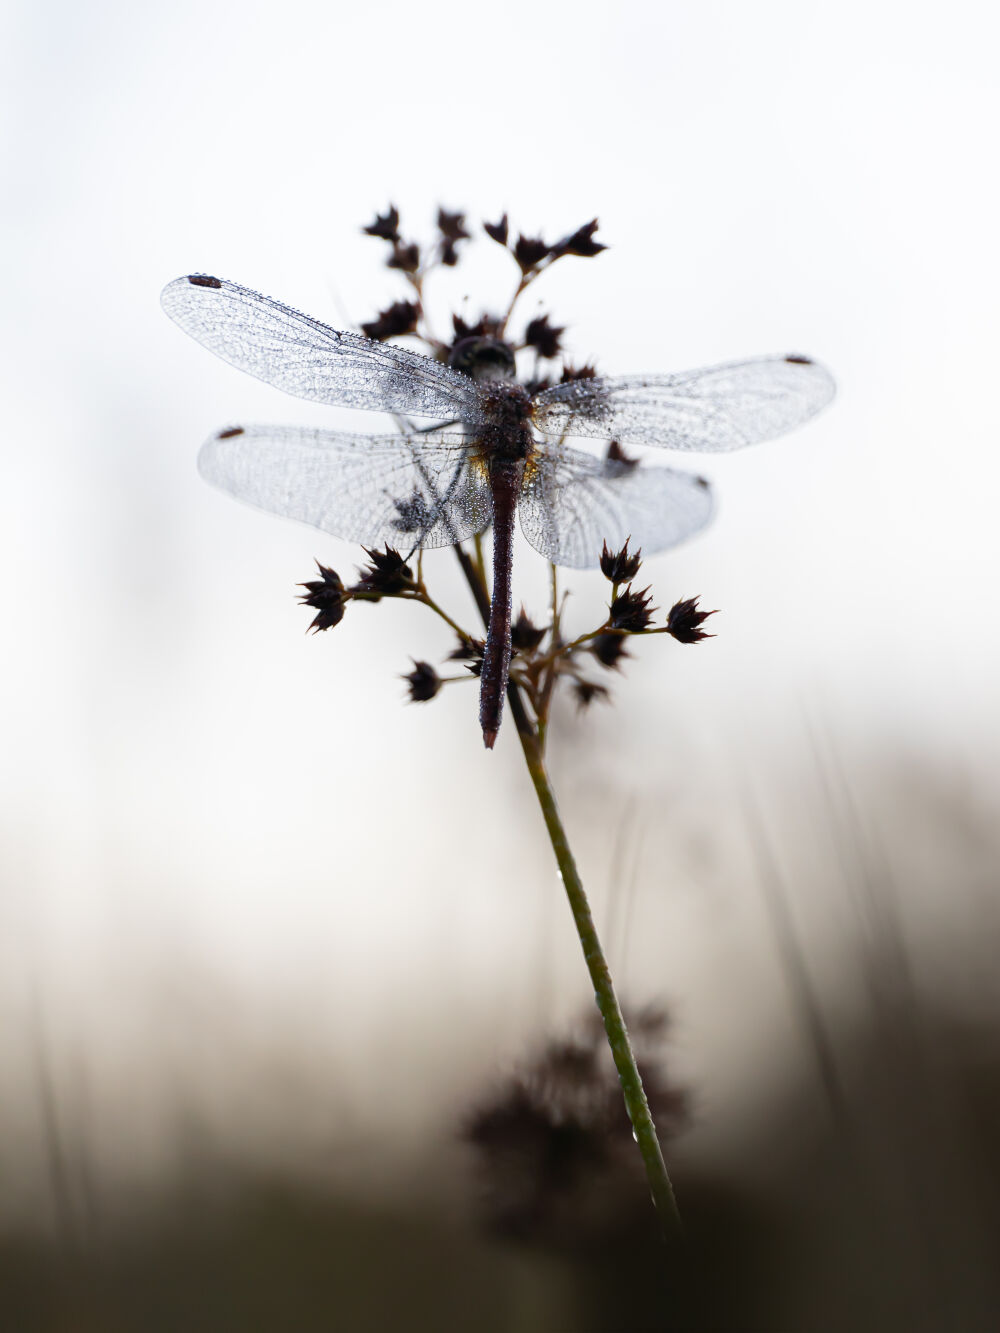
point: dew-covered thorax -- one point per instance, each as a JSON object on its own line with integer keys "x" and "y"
{"x": 505, "y": 431}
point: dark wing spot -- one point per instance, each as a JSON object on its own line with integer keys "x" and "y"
{"x": 799, "y": 360}
{"x": 228, "y": 434}
{"x": 203, "y": 280}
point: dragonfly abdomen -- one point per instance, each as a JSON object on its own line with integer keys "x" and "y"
{"x": 506, "y": 475}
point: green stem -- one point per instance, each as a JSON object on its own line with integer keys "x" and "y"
{"x": 604, "y": 993}
{"x": 423, "y": 596}
{"x": 597, "y": 965}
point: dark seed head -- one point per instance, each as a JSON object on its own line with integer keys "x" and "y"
{"x": 468, "y": 650}
{"x": 570, "y": 373}
{"x": 498, "y": 231}
{"x": 525, "y": 636}
{"x": 486, "y": 326}
{"x": 393, "y": 322}
{"x": 609, "y": 649}
{"x": 544, "y": 337}
{"x": 529, "y": 251}
{"x": 452, "y": 225}
{"x": 327, "y": 596}
{"x": 386, "y": 576}
{"x": 630, "y": 610}
{"x": 203, "y": 280}
{"x": 423, "y": 682}
{"x": 685, "y": 620}
{"x": 405, "y": 257}
{"x": 554, "y": 1145}
{"x": 581, "y": 242}
{"x": 412, "y": 513}
{"x": 385, "y": 226}
{"x": 587, "y": 692}
{"x": 620, "y": 566}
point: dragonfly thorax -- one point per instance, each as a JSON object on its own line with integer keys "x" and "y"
{"x": 505, "y": 432}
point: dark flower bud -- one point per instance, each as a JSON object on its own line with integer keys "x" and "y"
{"x": 498, "y": 231}
{"x": 386, "y": 226}
{"x": 685, "y": 620}
{"x": 570, "y": 373}
{"x": 405, "y": 257}
{"x": 423, "y": 682}
{"x": 412, "y": 513}
{"x": 630, "y": 610}
{"x": 452, "y": 226}
{"x": 544, "y": 337}
{"x": 530, "y": 251}
{"x": 468, "y": 650}
{"x": 553, "y": 1139}
{"x": 449, "y": 253}
{"x": 399, "y": 318}
{"x": 616, "y": 454}
{"x": 620, "y": 566}
{"x": 609, "y": 649}
{"x": 581, "y": 243}
{"x": 536, "y": 386}
{"x": 327, "y": 596}
{"x": 486, "y": 326}
{"x": 586, "y": 692}
{"x": 386, "y": 576}
{"x": 524, "y": 635}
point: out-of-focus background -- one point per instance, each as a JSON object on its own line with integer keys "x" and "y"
{"x": 267, "y": 935}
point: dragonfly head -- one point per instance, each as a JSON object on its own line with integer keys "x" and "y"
{"x": 483, "y": 358}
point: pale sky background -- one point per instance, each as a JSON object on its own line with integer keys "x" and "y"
{"x": 225, "y": 843}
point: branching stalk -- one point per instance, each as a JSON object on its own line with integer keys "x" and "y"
{"x": 600, "y": 974}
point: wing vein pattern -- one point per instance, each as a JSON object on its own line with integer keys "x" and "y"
{"x": 400, "y": 490}
{"x": 716, "y": 409}
{"x": 308, "y": 359}
{"x": 572, "y": 503}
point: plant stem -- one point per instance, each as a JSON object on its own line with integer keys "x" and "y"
{"x": 600, "y": 974}
{"x": 604, "y": 993}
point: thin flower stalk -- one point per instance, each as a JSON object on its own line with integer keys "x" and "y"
{"x": 597, "y": 965}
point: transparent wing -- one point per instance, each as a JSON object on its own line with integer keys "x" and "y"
{"x": 310, "y": 360}
{"x": 715, "y": 409}
{"x": 402, "y": 490}
{"x": 571, "y": 504}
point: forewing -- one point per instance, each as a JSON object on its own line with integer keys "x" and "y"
{"x": 715, "y": 409}
{"x": 401, "y": 490}
{"x": 310, "y": 360}
{"x": 571, "y": 504}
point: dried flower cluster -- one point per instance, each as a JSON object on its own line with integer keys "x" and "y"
{"x": 543, "y": 654}
{"x": 553, "y": 1145}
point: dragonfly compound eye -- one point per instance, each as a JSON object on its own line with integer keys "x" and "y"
{"x": 483, "y": 358}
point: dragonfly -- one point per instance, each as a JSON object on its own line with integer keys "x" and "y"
{"x": 497, "y": 451}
